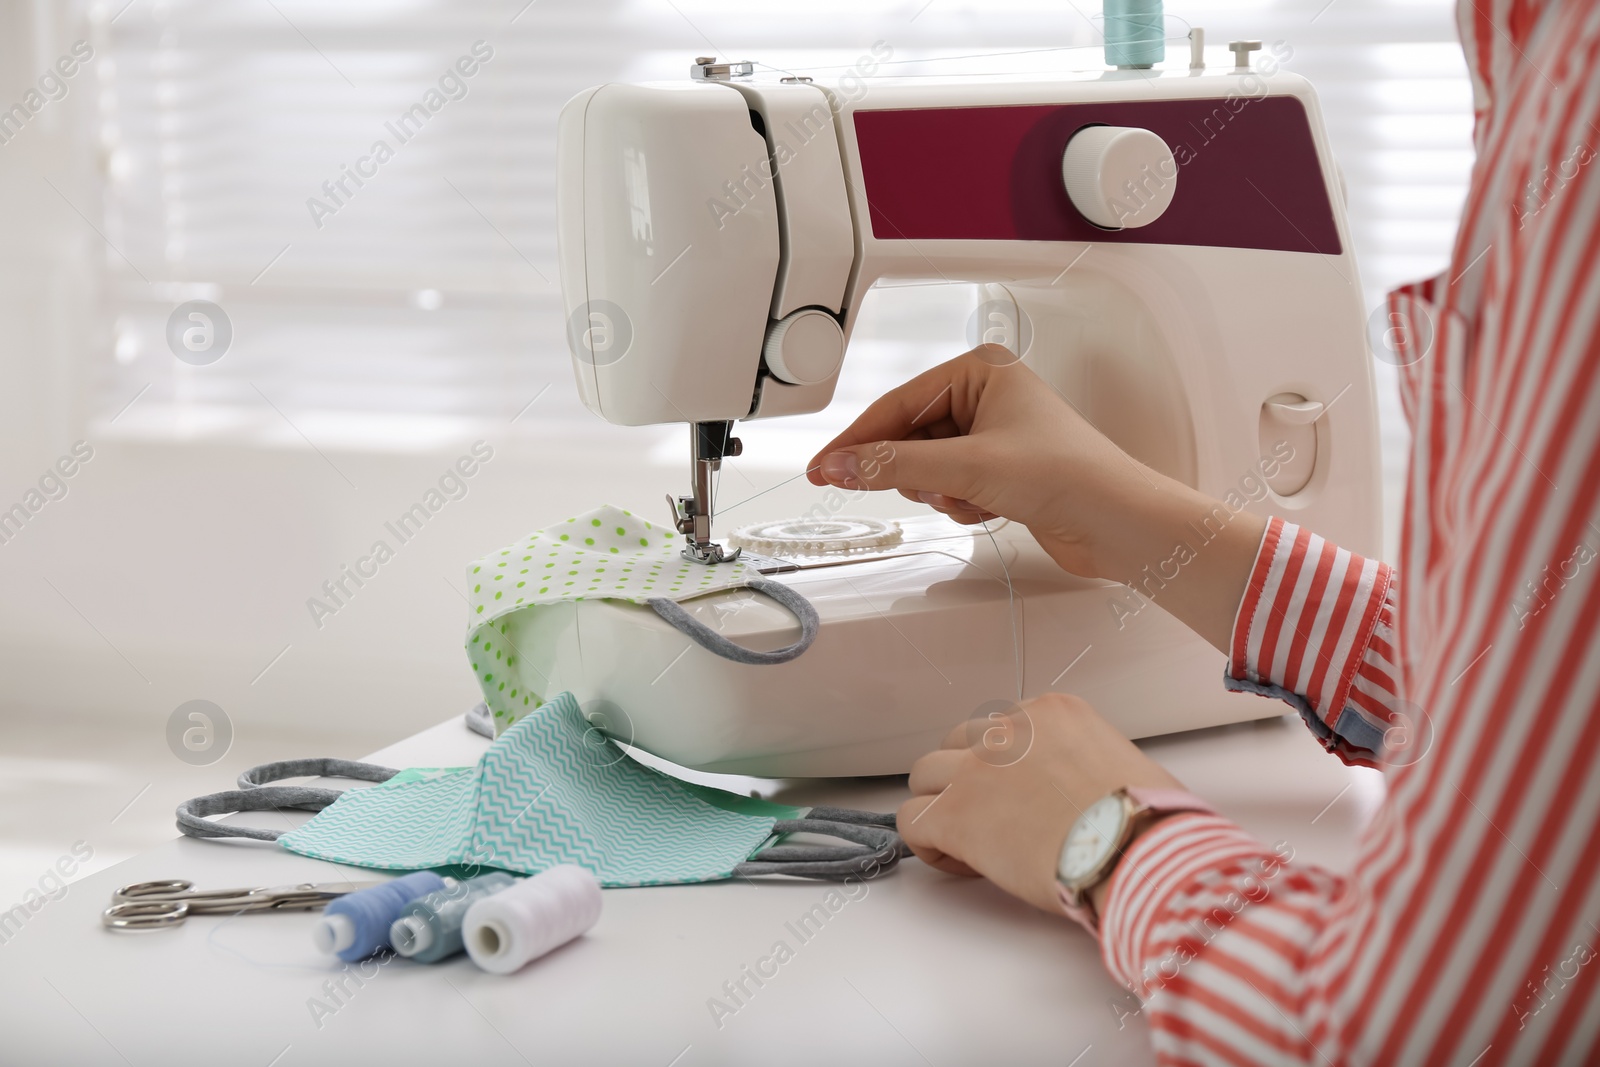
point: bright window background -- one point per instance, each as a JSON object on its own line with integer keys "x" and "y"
{"x": 428, "y": 304}
{"x": 420, "y": 316}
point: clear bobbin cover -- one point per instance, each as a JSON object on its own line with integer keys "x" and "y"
{"x": 804, "y": 536}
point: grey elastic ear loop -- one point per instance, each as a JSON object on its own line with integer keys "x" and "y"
{"x": 877, "y": 850}
{"x": 192, "y": 814}
{"x": 254, "y": 795}
{"x": 711, "y": 641}
{"x": 316, "y": 767}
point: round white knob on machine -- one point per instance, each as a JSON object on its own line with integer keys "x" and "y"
{"x": 804, "y": 347}
{"x": 1119, "y": 176}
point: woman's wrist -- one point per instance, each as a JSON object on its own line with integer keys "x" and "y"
{"x": 1101, "y": 892}
{"x": 1188, "y": 553}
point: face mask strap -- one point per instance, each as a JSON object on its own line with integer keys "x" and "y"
{"x": 876, "y": 851}
{"x": 853, "y": 815}
{"x": 712, "y": 641}
{"x": 316, "y": 767}
{"x": 192, "y": 821}
{"x": 254, "y": 794}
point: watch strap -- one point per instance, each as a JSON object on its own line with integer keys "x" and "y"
{"x": 1157, "y": 801}
{"x": 1167, "y": 801}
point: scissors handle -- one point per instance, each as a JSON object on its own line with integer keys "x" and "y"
{"x": 175, "y": 889}
{"x": 144, "y": 914}
{"x": 166, "y": 887}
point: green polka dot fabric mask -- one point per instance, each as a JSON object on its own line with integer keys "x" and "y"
{"x": 515, "y": 598}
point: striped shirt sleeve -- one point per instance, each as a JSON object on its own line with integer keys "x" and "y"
{"x": 1315, "y": 629}
{"x": 1208, "y": 927}
{"x": 1464, "y": 931}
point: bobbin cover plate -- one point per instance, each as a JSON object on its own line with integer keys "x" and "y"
{"x": 838, "y": 535}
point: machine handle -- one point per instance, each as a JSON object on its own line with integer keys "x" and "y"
{"x": 1294, "y": 409}
{"x": 711, "y": 641}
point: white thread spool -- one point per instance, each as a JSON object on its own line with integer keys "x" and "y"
{"x": 507, "y": 930}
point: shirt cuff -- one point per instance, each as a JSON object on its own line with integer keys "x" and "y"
{"x": 1304, "y": 633}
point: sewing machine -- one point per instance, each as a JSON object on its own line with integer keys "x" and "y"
{"x": 1166, "y": 248}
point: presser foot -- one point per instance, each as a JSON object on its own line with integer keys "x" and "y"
{"x": 691, "y": 515}
{"x": 709, "y": 553}
{"x": 696, "y": 529}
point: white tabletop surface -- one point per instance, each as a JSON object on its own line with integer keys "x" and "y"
{"x": 923, "y": 968}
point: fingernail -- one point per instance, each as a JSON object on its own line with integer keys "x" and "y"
{"x": 842, "y": 468}
{"x": 931, "y": 499}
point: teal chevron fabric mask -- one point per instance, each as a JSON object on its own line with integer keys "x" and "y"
{"x": 550, "y": 790}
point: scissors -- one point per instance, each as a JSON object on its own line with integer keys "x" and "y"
{"x": 144, "y": 905}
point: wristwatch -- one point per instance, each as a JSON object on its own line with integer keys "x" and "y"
{"x": 1101, "y": 833}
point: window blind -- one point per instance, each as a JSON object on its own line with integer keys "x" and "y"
{"x": 421, "y": 303}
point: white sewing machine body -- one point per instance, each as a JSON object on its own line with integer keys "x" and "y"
{"x": 1210, "y": 341}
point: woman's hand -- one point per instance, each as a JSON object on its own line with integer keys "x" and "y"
{"x": 1002, "y": 810}
{"x": 984, "y": 436}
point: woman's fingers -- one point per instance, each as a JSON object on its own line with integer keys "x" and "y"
{"x": 940, "y": 502}
{"x": 918, "y": 834}
{"x": 926, "y": 400}
{"x": 959, "y": 737}
{"x": 933, "y": 773}
{"x": 954, "y": 467}
{"x": 939, "y": 861}
{"x": 963, "y": 511}
{"x": 952, "y": 504}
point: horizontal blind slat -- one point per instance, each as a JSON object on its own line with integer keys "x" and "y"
{"x": 428, "y": 299}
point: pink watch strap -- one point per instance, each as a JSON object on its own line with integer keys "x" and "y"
{"x": 1169, "y": 800}
{"x": 1164, "y": 801}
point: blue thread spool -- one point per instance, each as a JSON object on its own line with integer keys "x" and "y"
{"x": 429, "y": 928}
{"x": 356, "y": 925}
{"x": 1135, "y": 33}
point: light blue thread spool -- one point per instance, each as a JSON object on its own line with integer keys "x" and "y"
{"x": 429, "y": 928}
{"x": 1135, "y": 33}
{"x": 356, "y": 925}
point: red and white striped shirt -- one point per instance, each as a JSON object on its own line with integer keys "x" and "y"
{"x": 1468, "y": 929}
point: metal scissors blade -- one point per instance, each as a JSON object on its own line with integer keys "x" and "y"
{"x": 168, "y": 902}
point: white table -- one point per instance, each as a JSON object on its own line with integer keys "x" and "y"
{"x": 922, "y": 969}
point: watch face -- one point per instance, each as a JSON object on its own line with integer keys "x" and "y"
{"x": 1092, "y": 838}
